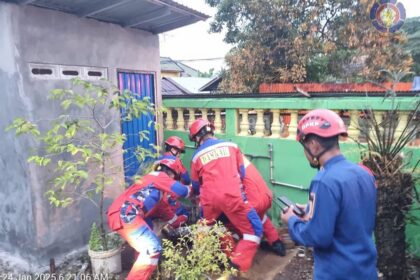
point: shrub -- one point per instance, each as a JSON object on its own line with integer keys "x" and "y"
{"x": 197, "y": 254}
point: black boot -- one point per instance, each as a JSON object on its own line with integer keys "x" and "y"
{"x": 277, "y": 247}
{"x": 233, "y": 265}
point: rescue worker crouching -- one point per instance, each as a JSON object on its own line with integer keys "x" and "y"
{"x": 217, "y": 171}
{"x": 261, "y": 198}
{"x": 131, "y": 214}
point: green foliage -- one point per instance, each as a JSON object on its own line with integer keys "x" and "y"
{"x": 22, "y": 126}
{"x": 196, "y": 254}
{"x": 207, "y": 74}
{"x": 79, "y": 146}
{"x": 303, "y": 41}
{"x": 95, "y": 240}
{"x": 412, "y": 29}
{"x": 385, "y": 137}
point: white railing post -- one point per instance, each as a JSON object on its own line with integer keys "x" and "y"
{"x": 218, "y": 120}
{"x": 293, "y": 124}
{"x": 276, "y": 125}
{"x": 244, "y": 125}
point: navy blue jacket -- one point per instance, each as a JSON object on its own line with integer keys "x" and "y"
{"x": 341, "y": 212}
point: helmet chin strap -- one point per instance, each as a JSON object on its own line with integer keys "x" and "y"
{"x": 197, "y": 141}
{"x": 176, "y": 152}
{"x": 315, "y": 158}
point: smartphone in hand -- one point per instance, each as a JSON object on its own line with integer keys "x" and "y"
{"x": 287, "y": 202}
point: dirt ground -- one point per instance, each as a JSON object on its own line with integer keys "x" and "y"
{"x": 299, "y": 268}
{"x": 267, "y": 265}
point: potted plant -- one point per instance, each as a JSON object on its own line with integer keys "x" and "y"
{"x": 104, "y": 261}
{"x": 80, "y": 147}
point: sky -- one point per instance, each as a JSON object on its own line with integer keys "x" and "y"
{"x": 194, "y": 42}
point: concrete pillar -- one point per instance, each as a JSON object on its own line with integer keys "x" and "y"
{"x": 292, "y": 127}
{"x": 353, "y": 129}
{"x": 185, "y": 121}
{"x": 204, "y": 113}
{"x": 244, "y": 125}
{"x": 403, "y": 119}
{"x": 259, "y": 124}
{"x": 379, "y": 118}
{"x": 218, "y": 120}
{"x": 169, "y": 120}
{"x": 180, "y": 119}
{"x": 276, "y": 125}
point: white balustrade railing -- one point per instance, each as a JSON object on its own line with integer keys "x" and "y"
{"x": 273, "y": 123}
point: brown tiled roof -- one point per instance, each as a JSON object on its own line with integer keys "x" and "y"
{"x": 333, "y": 88}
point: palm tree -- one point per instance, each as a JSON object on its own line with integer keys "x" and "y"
{"x": 386, "y": 155}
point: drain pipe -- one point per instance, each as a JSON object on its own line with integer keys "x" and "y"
{"x": 272, "y": 181}
{"x": 190, "y": 147}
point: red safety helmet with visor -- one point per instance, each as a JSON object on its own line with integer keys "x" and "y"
{"x": 172, "y": 164}
{"x": 197, "y": 126}
{"x": 321, "y": 122}
{"x": 176, "y": 142}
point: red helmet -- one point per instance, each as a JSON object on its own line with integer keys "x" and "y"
{"x": 175, "y": 141}
{"x": 197, "y": 125}
{"x": 173, "y": 164}
{"x": 321, "y": 122}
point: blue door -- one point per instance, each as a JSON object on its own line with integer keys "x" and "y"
{"x": 140, "y": 85}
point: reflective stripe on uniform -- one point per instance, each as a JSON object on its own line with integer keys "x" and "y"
{"x": 171, "y": 221}
{"x": 147, "y": 260}
{"x": 205, "y": 150}
{"x": 252, "y": 238}
{"x": 264, "y": 219}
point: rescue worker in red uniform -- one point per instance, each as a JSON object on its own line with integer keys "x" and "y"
{"x": 217, "y": 171}
{"x": 132, "y": 213}
{"x": 261, "y": 197}
{"x": 174, "y": 147}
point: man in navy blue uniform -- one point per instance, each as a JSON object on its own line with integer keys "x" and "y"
{"x": 340, "y": 215}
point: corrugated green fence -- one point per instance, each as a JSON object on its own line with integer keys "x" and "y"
{"x": 265, "y": 127}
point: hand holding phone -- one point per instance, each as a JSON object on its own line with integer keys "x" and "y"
{"x": 287, "y": 202}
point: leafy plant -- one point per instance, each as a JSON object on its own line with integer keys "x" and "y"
{"x": 95, "y": 241}
{"x": 79, "y": 147}
{"x": 197, "y": 253}
{"x": 385, "y": 154}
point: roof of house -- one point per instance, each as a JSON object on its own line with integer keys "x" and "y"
{"x": 192, "y": 84}
{"x": 170, "y": 87}
{"x": 333, "y": 87}
{"x": 155, "y": 16}
{"x": 170, "y": 65}
{"x": 212, "y": 85}
{"x": 183, "y": 85}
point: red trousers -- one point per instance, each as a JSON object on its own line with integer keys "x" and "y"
{"x": 142, "y": 238}
{"x": 245, "y": 219}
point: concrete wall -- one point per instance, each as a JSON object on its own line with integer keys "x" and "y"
{"x": 29, "y": 226}
{"x": 289, "y": 163}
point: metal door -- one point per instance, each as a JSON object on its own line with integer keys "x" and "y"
{"x": 140, "y": 85}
